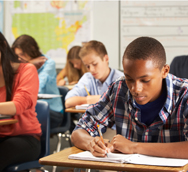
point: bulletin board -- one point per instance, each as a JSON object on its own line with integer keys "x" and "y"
{"x": 167, "y": 21}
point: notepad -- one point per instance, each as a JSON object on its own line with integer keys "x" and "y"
{"x": 5, "y": 116}
{"x": 48, "y": 96}
{"x": 83, "y": 106}
{"x": 131, "y": 158}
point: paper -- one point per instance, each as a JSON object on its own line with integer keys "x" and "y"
{"x": 83, "y": 106}
{"x": 48, "y": 96}
{"x": 5, "y": 116}
{"x": 131, "y": 158}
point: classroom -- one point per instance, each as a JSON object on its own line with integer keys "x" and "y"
{"x": 57, "y": 26}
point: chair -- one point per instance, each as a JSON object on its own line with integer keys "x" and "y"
{"x": 65, "y": 125}
{"x": 43, "y": 115}
{"x": 179, "y": 66}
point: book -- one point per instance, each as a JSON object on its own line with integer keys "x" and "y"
{"x": 83, "y": 106}
{"x": 48, "y": 96}
{"x": 5, "y": 116}
{"x": 131, "y": 158}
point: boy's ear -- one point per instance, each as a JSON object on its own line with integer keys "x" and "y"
{"x": 165, "y": 70}
{"x": 106, "y": 58}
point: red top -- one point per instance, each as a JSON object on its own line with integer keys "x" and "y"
{"x": 25, "y": 92}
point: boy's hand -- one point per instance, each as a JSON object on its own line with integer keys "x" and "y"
{"x": 93, "y": 99}
{"x": 123, "y": 145}
{"x": 97, "y": 148}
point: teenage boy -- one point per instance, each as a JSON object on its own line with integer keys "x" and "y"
{"x": 96, "y": 81}
{"x": 148, "y": 105}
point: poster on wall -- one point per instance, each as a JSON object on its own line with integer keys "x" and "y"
{"x": 1, "y": 15}
{"x": 56, "y": 25}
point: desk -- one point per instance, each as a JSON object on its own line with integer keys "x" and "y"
{"x": 7, "y": 121}
{"x": 61, "y": 159}
{"x": 70, "y": 87}
{"x": 74, "y": 110}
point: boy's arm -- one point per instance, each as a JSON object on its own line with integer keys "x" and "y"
{"x": 78, "y": 100}
{"x": 170, "y": 150}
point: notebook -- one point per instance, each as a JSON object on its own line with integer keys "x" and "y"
{"x": 83, "y": 106}
{"x": 48, "y": 96}
{"x": 5, "y": 116}
{"x": 131, "y": 158}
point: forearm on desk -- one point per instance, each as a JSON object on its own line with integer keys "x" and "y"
{"x": 73, "y": 101}
{"x": 7, "y": 108}
{"x": 170, "y": 150}
{"x": 81, "y": 139}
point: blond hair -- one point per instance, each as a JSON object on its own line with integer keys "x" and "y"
{"x": 93, "y": 47}
{"x": 74, "y": 74}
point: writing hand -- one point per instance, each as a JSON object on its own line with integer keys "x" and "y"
{"x": 97, "y": 148}
{"x": 92, "y": 99}
{"x": 61, "y": 82}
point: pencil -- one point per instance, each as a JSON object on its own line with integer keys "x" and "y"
{"x": 100, "y": 134}
{"x": 86, "y": 90}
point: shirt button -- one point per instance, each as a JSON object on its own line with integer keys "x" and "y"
{"x": 136, "y": 119}
{"x": 146, "y": 133}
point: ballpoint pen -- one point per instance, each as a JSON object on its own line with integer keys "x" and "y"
{"x": 86, "y": 90}
{"x": 100, "y": 133}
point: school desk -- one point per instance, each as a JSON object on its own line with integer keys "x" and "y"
{"x": 70, "y": 87}
{"x": 61, "y": 159}
{"x": 7, "y": 121}
{"x": 74, "y": 110}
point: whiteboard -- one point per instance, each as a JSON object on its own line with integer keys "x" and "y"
{"x": 165, "y": 21}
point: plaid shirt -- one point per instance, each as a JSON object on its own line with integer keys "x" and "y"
{"x": 117, "y": 106}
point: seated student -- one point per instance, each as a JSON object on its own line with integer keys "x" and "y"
{"x": 74, "y": 68}
{"x": 100, "y": 75}
{"x": 19, "y": 83}
{"x": 179, "y": 67}
{"x": 148, "y": 105}
{"x": 27, "y": 49}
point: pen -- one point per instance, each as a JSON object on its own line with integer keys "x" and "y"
{"x": 100, "y": 133}
{"x": 86, "y": 90}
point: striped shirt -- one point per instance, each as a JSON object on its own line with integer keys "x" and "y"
{"x": 116, "y": 106}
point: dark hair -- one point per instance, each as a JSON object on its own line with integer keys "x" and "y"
{"x": 93, "y": 47}
{"x": 6, "y": 57}
{"x": 146, "y": 48}
{"x": 28, "y": 45}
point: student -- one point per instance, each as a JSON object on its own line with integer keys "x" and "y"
{"x": 19, "y": 142}
{"x": 148, "y": 105}
{"x": 74, "y": 68}
{"x": 94, "y": 56}
{"x": 27, "y": 49}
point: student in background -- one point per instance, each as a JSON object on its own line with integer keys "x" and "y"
{"x": 19, "y": 83}
{"x": 96, "y": 81}
{"x": 148, "y": 105}
{"x": 27, "y": 49}
{"x": 74, "y": 68}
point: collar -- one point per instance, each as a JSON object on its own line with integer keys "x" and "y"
{"x": 109, "y": 79}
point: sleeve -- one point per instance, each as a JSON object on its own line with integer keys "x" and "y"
{"x": 185, "y": 115}
{"x": 26, "y": 89}
{"x": 100, "y": 113}
{"x": 46, "y": 73}
{"x": 78, "y": 89}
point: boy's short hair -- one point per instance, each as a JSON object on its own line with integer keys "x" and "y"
{"x": 93, "y": 47}
{"x": 146, "y": 48}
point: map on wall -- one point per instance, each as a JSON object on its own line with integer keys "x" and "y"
{"x": 55, "y": 25}
{"x": 1, "y": 16}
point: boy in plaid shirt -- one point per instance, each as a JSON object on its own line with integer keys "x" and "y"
{"x": 148, "y": 105}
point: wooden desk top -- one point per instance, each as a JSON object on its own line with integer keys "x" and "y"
{"x": 70, "y": 87}
{"x": 7, "y": 121}
{"x": 74, "y": 110}
{"x": 61, "y": 159}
